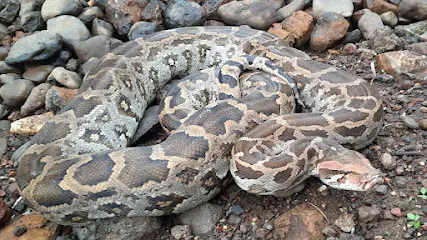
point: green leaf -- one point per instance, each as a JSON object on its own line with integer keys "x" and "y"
{"x": 424, "y": 197}
{"x": 417, "y": 224}
{"x": 423, "y": 191}
{"x": 410, "y": 216}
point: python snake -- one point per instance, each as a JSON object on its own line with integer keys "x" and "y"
{"x": 79, "y": 168}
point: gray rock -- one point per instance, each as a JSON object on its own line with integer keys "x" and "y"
{"x": 4, "y": 51}
{"x": 9, "y": 12}
{"x": 257, "y": 14}
{"x": 101, "y": 27}
{"x": 3, "y": 30}
{"x": 342, "y": 7}
{"x": 9, "y": 77}
{"x": 35, "y": 100}
{"x": 383, "y": 39}
{"x": 4, "y": 124}
{"x": 101, "y": 4}
{"x": 4, "y": 110}
{"x": 290, "y": 8}
{"x": 234, "y": 219}
{"x": 3, "y": 146}
{"x": 413, "y": 9}
{"x": 184, "y": 14}
{"x": 53, "y": 8}
{"x": 368, "y": 213}
{"x": 15, "y": 93}
{"x": 369, "y": 22}
{"x": 6, "y": 68}
{"x": 57, "y": 98}
{"x": 38, "y": 46}
{"x": 410, "y": 122}
{"x": 96, "y": 46}
{"x": 202, "y": 218}
{"x": 381, "y": 189}
{"x": 414, "y": 29}
{"x": 180, "y": 231}
{"x": 400, "y": 181}
{"x": 18, "y": 152}
{"x": 140, "y": 29}
{"x": 72, "y": 64}
{"x": 30, "y": 5}
{"x": 388, "y": 162}
{"x": 389, "y": 19}
{"x": 88, "y": 65}
{"x": 67, "y": 78}
{"x": 70, "y": 28}
{"x": 38, "y": 74}
{"x": 90, "y": 13}
{"x": 32, "y": 21}
{"x": 235, "y": 209}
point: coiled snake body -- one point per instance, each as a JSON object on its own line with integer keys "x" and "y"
{"x": 78, "y": 167}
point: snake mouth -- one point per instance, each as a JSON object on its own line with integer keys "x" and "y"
{"x": 374, "y": 181}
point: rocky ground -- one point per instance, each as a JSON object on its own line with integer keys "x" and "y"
{"x": 47, "y": 46}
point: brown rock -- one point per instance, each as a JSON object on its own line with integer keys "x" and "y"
{"x": 5, "y": 212}
{"x": 329, "y": 29}
{"x": 124, "y": 13}
{"x": 368, "y": 214}
{"x": 357, "y": 15}
{"x": 36, "y": 228}
{"x": 423, "y": 124}
{"x": 276, "y": 29}
{"x": 404, "y": 64}
{"x": 358, "y": 4}
{"x": 299, "y": 25}
{"x": 420, "y": 48}
{"x": 302, "y": 222}
{"x": 30, "y": 125}
{"x": 381, "y": 6}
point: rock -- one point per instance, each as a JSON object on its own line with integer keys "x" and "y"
{"x": 389, "y": 19}
{"x": 57, "y": 97}
{"x": 301, "y": 222}
{"x": 9, "y": 12}
{"x": 382, "y": 6}
{"x": 202, "y": 218}
{"x": 9, "y": 77}
{"x": 383, "y": 39}
{"x": 6, "y": 68}
{"x": 54, "y": 8}
{"x": 329, "y": 29}
{"x": 234, "y": 219}
{"x": 88, "y": 65}
{"x": 289, "y": 9}
{"x": 70, "y": 28}
{"x": 101, "y": 27}
{"x": 396, "y": 212}
{"x": 154, "y": 11}
{"x": 72, "y": 65}
{"x": 410, "y": 122}
{"x": 235, "y": 209}
{"x": 299, "y": 27}
{"x": 368, "y": 214}
{"x": 256, "y": 14}
{"x": 353, "y": 37}
{"x": 388, "y": 162}
{"x": 37, "y": 228}
{"x": 38, "y": 46}
{"x": 413, "y": 9}
{"x": 180, "y": 231}
{"x": 4, "y": 110}
{"x": 35, "y": 100}
{"x": 417, "y": 29}
{"x": 350, "y": 48}
{"x": 30, "y": 125}
{"x": 3, "y": 31}
{"x": 342, "y": 7}
{"x": 423, "y": 124}
{"x": 403, "y": 64}
{"x": 38, "y": 74}
{"x": 140, "y": 29}
{"x": 96, "y": 46}
{"x": 184, "y": 14}
{"x": 420, "y": 48}
{"x": 67, "y": 78}
{"x": 386, "y": 214}
{"x": 261, "y": 233}
{"x": 101, "y": 4}
{"x": 368, "y": 23}
{"x": 124, "y": 13}
{"x": 30, "y": 5}
{"x": 381, "y": 189}
{"x": 345, "y": 222}
{"x": 90, "y": 13}
{"x": 329, "y": 231}
{"x": 15, "y": 93}
{"x": 32, "y": 21}
{"x": 5, "y": 212}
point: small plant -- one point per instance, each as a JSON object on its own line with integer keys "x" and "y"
{"x": 423, "y": 192}
{"x": 414, "y": 220}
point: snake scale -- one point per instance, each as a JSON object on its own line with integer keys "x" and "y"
{"x": 78, "y": 166}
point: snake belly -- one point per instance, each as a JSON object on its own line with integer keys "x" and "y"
{"x": 78, "y": 167}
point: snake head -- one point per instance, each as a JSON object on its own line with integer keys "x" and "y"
{"x": 348, "y": 170}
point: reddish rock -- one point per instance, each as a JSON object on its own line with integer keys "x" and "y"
{"x": 329, "y": 29}
{"x": 404, "y": 64}
{"x": 5, "y": 212}
{"x": 420, "y": 48}
{"x": 301, "y": 222}
{"x": 381, "y": 6}
{"x": 396, "y": 212}
{"x": 299, "y": 25}
{"x": 277, "y": 29}
{"x": 35, "y": 227}
{"x": 124, "y": 13}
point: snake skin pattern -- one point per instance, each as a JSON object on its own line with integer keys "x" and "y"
{"x": 79, "y": 168}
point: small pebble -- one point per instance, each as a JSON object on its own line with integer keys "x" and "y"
{"x": 236, "y": 209}
{"x": 388, "y": 215}
{"x": 261, "y": 233}
{"x": 381, "y": 189}
{"x": 399, "y": 170}
{"x": 234, "y": 219}
{"x": 423, "y": 123}
{"x": 396, "y": 212}
{"x": 410, "y": 122}
{"x": 406, "y": 84}
{"x": 180, "y": 231}
{"x": 19, "y": 230}
{"x": 388, "y": 162}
